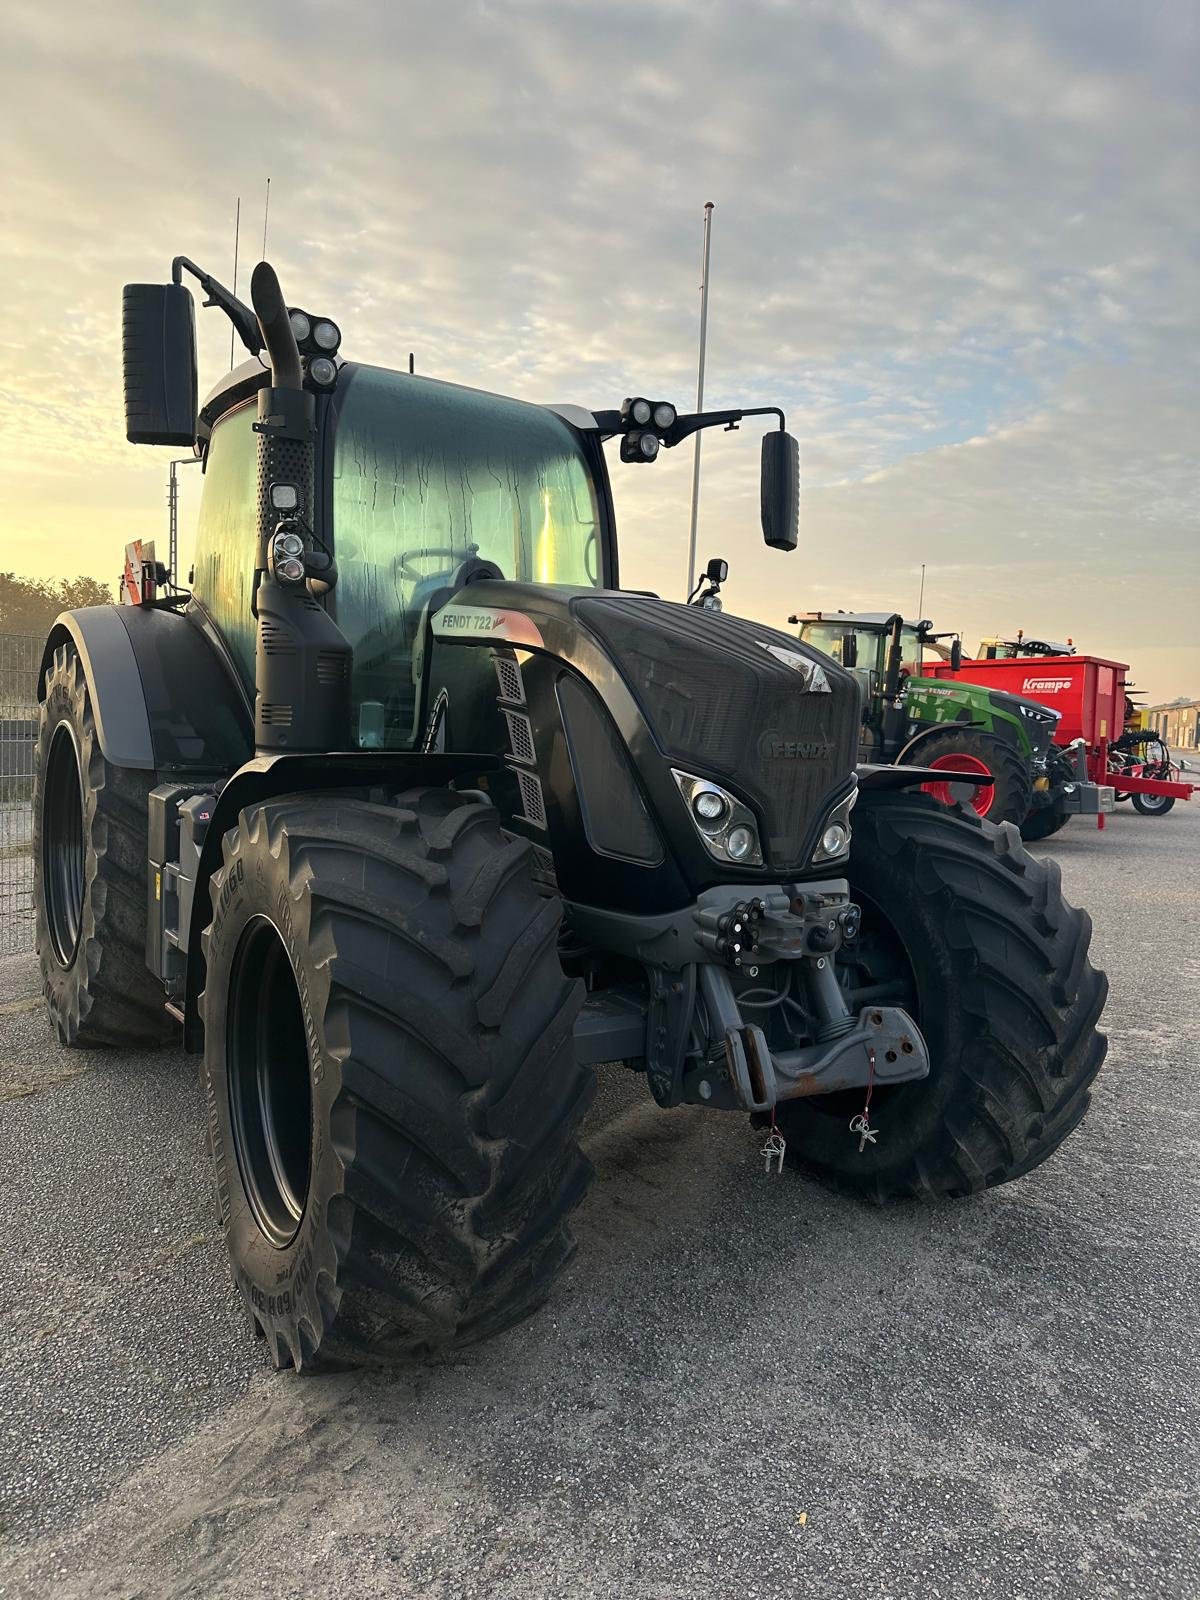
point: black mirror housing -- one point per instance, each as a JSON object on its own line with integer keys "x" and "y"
{"x": 849, "y": 649}
{"x": 158, "y": 335}
{"x": 955, "y": 654}
{"x": 780, "y": 490}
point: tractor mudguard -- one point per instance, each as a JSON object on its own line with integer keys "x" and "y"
{"x": 931, "y": 732}
{"x": 113, "y": 681}
{"x": 164, "y": 694}
{"x": 878, "y": 778}
{"x": 268, "y": 776}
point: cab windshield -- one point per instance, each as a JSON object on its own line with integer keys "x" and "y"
{"x": 425, "y": 476}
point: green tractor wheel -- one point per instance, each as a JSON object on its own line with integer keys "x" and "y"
{"x": 1008, "y": 798}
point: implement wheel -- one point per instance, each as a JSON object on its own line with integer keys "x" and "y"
{"x": 974, "y": 938}
{"x": 1153, "y": 805}
{"x": 1006, "y": 799}
{"x": 392, "y": 1087}
{"x": 90, "y": 851}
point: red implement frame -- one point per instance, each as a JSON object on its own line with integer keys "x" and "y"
{"x": 1088, "y": 691}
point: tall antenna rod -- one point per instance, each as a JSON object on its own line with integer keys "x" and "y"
{"x": 266, "y": 213}
{"x": 921, "y": 596}
{"x": 237, "y": 229}
{"x": 708, "y": 211}
{"x": 920, "y": 613}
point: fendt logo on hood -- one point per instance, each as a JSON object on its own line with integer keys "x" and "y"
{"x": 1036, "y": 686}
{"x": 777, "y": 748}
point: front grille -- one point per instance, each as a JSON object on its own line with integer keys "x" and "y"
{"x": 720, "y": 704}
{"x": 615, "y": 817}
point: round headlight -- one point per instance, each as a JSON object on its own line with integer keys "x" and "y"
{"x": 648, "y": 445}
{"x": 710, "y": 806}
{"x": 835, "y": 839}
{"x": 739, "y": 843}
{"x": 640, "y": 412}
{"x": 326, "y": 335}
{"x": 301, "y": 326}
{"x": 288, "y": 544}
{"x": 291, "y": 570}
{"x": 322, "y": 370}
{"x": 664, "y": 416}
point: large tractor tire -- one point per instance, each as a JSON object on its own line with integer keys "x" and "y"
{"x": 1044, "y": 822}
{"x": 90, "y": 853}
{"x": 1009, "y": 796}
{"x": 392, "y": 1087}
{"x": 972, "y": 935}
{"x": 1153, "y": 805}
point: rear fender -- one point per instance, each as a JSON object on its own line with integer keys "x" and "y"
{"x": 165, "y": 695}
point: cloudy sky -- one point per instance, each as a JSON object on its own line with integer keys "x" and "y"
{"x": 956, "y": 241}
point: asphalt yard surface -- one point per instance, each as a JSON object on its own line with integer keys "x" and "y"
{"x": 744, "y": 1386}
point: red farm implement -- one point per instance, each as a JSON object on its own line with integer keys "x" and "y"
{"x": 1089, "y": 692}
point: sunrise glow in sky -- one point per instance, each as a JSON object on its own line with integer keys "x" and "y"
{"x": 956, "y": 241}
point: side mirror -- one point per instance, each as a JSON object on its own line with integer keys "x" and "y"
{"x": 955, "y": 654}
{"x": 717, "y": 570}
{"x": 158, "y": 334}
{"x": 849, "y": 649}
{"x": 780, "y": 490}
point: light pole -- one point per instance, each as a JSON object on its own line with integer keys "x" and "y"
{"x": 708, "y": 211}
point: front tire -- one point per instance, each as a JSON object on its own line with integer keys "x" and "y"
{"x": 1044, "y": 822}
{"x": 392, "y": 1087}
{"x": 90, "y": 859}
{"x": 1002, "y": 989}
{"x": 1010, "y": 795}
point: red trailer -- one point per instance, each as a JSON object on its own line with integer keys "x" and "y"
{"x": 1089, "y": 691}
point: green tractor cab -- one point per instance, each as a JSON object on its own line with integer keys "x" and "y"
{"x": 407, "y": 817}
{"x": 960, "y": 728}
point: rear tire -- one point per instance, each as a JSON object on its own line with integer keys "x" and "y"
{"x": 90, "y": 853}
{"x": 1004, "y": 995}
{"x": 1012, "y": 787}
{"x": 1153, "y": 805}
{"x": 395, "y": 1149}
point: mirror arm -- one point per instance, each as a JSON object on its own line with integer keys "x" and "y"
{"x": 240, "y": 315}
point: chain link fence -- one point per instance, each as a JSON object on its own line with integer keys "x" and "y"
{"x": 20, "y": 656}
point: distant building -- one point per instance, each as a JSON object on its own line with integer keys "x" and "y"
{"x": 1177, "y": 723}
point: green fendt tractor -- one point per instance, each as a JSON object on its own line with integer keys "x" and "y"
{"x": 409, "y": 817}
{"x": 960, "y": 728}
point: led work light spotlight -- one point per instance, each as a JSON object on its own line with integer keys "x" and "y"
{"x": 645, "y": 422}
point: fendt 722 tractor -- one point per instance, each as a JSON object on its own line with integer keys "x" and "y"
{"x": 409, "y": 817}
{"x": 910, "y": 718}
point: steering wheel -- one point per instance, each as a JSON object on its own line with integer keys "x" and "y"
{"x": 408, "y": 561}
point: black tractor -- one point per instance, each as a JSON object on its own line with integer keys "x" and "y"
{"x": 408, "y": 817}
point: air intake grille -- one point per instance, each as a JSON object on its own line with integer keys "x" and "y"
{"x": 532, "y": 802}
{"x": 508, "y": 676}
{"x": 332, "y": 666}
{"x": 276, "y": 716}
{"x": 719, "y": 703}
{"x": 615, "y": 817}
{"x": 520, "y": 737}
{"x": 276, "y": 641}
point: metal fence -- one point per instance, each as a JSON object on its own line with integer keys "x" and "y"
{"x": 20, "y": 656}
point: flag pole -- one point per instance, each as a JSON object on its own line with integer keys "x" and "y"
{"x": 708, "y": 211}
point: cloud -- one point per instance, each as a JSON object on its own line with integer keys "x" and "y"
{"x": 956, "y": 241}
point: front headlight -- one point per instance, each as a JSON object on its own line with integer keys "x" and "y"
{"x": 726, "y": 825}
{"x": 834, "y": 843}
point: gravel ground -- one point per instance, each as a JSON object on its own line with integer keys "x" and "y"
{"x": 743, "y": 1387}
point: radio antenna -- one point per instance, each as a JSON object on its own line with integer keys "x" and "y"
{"x": 237, "y": 229}
{"x": 921, "y": 596}
{"x": 266, "y": 213}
